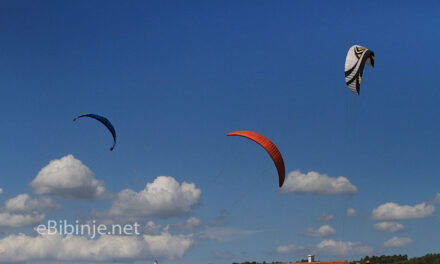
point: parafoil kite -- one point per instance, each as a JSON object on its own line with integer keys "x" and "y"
{"x": 357, "y": 56}
{"x": 269, "y": 146}
{"x": 105, "y": 122}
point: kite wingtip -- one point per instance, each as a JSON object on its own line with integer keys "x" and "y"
{"x": 281, "y": 180}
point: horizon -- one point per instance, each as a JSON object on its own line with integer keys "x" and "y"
{"x": 174, "y": 78}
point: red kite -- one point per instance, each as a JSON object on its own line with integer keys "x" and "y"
{"x": 269, "y": 146}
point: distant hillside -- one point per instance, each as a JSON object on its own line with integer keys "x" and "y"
{"x": 395, "y": 259}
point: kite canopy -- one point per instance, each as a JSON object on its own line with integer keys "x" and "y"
{"x": 357, "y": 56}
{"x": 105, "y": 122}
{"x": 269, "y": 146}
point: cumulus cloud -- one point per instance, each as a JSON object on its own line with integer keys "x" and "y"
{"x": 152, "y": 228}
{"x": 390, "y": 227}
{"x": 223, "y": 234}
{"x": 8, "y": 219}
{"x": 190, "y": 223}
{"x": 69, "y": 178}
{"x": 164, "y": 197}
{"x": 343, "y": 248}
{"x": 168, "y": 245}
{"x": 328, "y": 247}
{"x": 25, "y": 204}
{"x": 1, "y": 190}
{"x": 394, "y": 211}
{"x": 437, "y": 198}
{"x": 22, "y": 211}
{"x": 323, "y": 231}
{"x": 314, "y": 182}
{"x": 397, "y": 242}
{"x": 22, "y": 248}
{"x": 350, "y": 212}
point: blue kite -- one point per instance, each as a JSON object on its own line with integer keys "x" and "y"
{"x": 105, "y": 122}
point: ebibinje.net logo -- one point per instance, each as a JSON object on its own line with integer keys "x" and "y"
{"x": 91, "y": 229}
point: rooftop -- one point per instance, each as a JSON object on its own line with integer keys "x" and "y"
{"x": 318, "y": 262}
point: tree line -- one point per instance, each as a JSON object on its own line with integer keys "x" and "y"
{"x": 394, "y": 259}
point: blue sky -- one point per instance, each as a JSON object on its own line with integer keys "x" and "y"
{"x": 175, "y": 77}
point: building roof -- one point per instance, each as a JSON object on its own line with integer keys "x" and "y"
{"x": 318, "y": 262}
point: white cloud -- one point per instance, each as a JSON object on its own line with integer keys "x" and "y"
{"x": 314, "y": 182}
{"x": 325, "y": 217}
{"x": 350, "y": 212}
{"x": 293, "y": 249}
{"x": 223, "y": 234}
{"x": 22, "y": 211}
{"x": 1, "y": 190}
{"x": 151, "y": 228}
{"x": 25, "y": 204}
{"x": 397, "y": 242}
{"x": 168, "y": 245}
{"x": 70, "y": 179}
{"x": 394, "y": 211}
{"x": 323, "y": 231}
{"x": 190, "y": 223}
{"x": 23, "y": 248}
{"x": 165, "y": 197}
{"x": 19, "y": 220}
{"x": 341, "y": 249}
{"x": 390, "y": 227}
{"x": 437, "y": 198}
